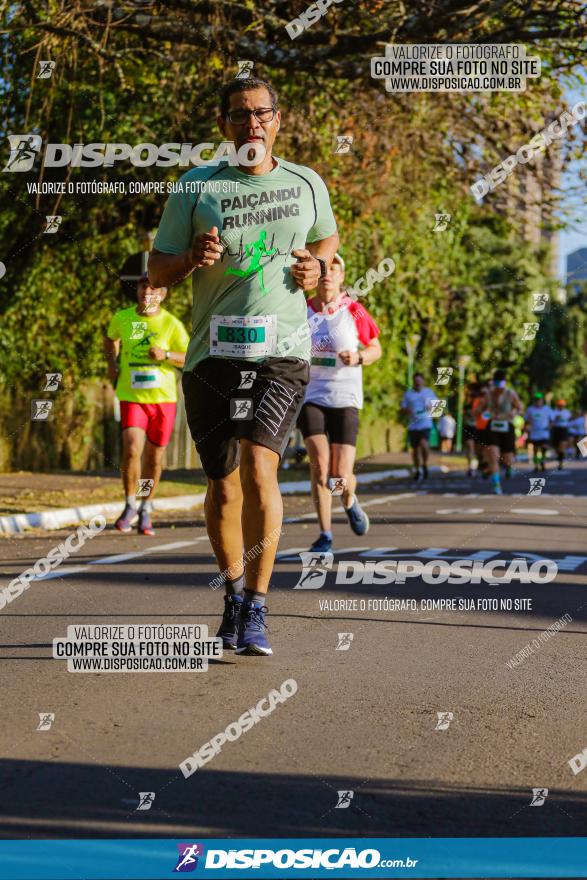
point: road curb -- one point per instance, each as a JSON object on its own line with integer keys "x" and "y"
{"x": 49, "y": 520}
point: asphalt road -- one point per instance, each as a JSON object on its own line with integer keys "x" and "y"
{"x": 364, "y": 719}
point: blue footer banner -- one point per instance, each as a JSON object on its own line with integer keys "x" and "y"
{"x": 294, "y": 857}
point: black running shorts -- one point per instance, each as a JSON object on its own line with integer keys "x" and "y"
{"x": 559, "y": 435}
{"x": 504, "y": 440}
{"x": 415, "y": 437}
{"x": 339, "y": 423}
{"x": 228, "y": 400}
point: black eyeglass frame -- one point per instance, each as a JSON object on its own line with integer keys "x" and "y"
{"x": 255, "y": 113}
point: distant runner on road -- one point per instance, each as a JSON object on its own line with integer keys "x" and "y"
{"x": 143, "y": 346}
{"x": 561, "y": 419}
{"x": 577, "y": 430}
{"x": 344, "y": 339}
{"x": 416, "y": 403}
{"x": 538, "y": 421}
{"x": 499, "y": 405}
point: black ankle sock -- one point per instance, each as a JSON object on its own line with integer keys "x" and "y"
{"x": 254, "y": 596}
{"x": 235, "y": 587}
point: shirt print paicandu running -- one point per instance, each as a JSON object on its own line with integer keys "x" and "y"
{"x": 261, "y": 219}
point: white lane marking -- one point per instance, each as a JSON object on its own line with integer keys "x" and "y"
{"x": 451, "y": 510}
{"x": 124, "y": 557}
{"x": 60, "y": 572}
{"x": 535, "y": 511}
{"x": 308, "y": 516}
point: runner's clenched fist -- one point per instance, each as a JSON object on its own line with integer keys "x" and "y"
{"x": 206, "y": 248}
{"x": 306, "y": 271}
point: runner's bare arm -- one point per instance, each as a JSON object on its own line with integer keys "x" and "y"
{"x": 370, "y": 353}
{"x": 177, "y": 358}
{"x": 166, "y": 270}
{"x": 111, "y": 350}
{"x": 306, "y": 271}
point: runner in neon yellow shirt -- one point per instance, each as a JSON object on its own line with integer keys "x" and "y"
{"x": 144, "y": 345}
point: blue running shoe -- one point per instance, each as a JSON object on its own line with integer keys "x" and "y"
{"x": 321, "y": 545}
{"x": 127, "y": 519}
{"x": 145, "y": 525}
{"x": 229, "y": 627}
{"x": 358, "y": 519}
{"x": 252, "y": 638}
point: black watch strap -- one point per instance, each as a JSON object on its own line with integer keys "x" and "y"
{"x": 323, "y": 267}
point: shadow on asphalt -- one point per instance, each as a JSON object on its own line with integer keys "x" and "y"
{"x": 74, "y": 800}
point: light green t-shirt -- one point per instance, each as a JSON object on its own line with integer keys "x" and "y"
{"x": 142, "y": 379}
{"x": 261, "y": 219}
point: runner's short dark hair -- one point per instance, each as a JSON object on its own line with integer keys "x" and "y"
{"x": 245, "y": 85}
{"x": 499, "y": 376}
{"x": 421, "y": 375}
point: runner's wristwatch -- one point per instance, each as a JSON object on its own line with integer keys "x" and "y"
{"x": 323, "y": 268}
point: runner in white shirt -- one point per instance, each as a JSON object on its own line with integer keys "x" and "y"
{"x": 538, "y": 421}
{"x": 329, "y": 418}
{"x": 416, "y": 403}
{"x": 561, "y": 418}
{"x": 447, "y": 428}
{"x": 577, "y": 430}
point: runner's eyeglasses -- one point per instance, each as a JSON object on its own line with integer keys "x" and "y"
{"x": 262, "y": 115}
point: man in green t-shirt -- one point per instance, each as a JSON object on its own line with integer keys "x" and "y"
{"x": 254, "y": 238}
{"x": 143, "y": 345}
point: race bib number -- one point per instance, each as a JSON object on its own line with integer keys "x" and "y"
{"x": 323, "y": 361}
{"x": 499, "y": 425}
{"x": 243, "y": 337}
{"x": 145, "y": 379}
